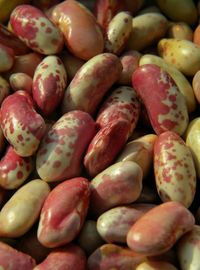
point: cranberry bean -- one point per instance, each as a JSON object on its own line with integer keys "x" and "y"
{"x": 110, "y": 256}
{"x": 117, "y": 119}
{"x": 70, "y": 257}
{"x": 49, "y": 82}
{"x": 188, "y": 249}
{"x": 83, "y": 35}
{"x": 35, "y": 30}
{"x": 119, "y": 184}
{"x": 61, "y": 151}
{"x": 22, "y": 210}
{"x": 114, "y": 224}
{"x": 6, "y": 58}
{"x": 148, "y": 265}
{"x": 7, "y": 38}
{"x": 165, "y": 105}
{"x": 174, "y": 169}
{"x": 4, "y": 89}
{"x": 91, "y": 83}
{"x": 14, "y": 170}
{"x": 12, "y": 259}
{"x": 64, "y": 212}
{"x": 21, "y": 81}
{"x": 159, "y": 229}
{"x": 22, "y": 126}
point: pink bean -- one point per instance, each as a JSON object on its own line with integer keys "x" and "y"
{"x": 82, "y": 35}
{"x": 35, "y": 30}
{"x": 64, "y": 212}
{"x": 159, "y": 229}
{"x": 22, "y": 126}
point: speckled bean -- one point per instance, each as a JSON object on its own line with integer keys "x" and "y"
{"x": 69, "y": 257}
{"x": 91, "y": 82}
{"x": 122, "y": 182}
{"x": 118, "y": 32}
{"x": 2, "y": 140}
{"x": 196, "y": 86}
{"x": 4, "y": 89}
{"x": 61, "y": 151}
{"x": 22, "y": 126}
{"x": 181, "y": 81}
{"x": 188, "y": 251}
{"x": 140, "y": 151}
{"x": 32, "y": 26}
{"x": 146, "y": 30}
{"x": 89, "y": 238}
{"x": 167, "y": 107}
{"x": 83, "y": 36}
{"x": 6, "y": 58}
{"x": 110, "y": 256}
{"x": 21, "y": 81}
{"x": 12, "y": 259}
{"x": 148, "y": 265}
{"x": 174, "y": 169}
{"x": 7, "y": 38}
{"x": 23, "y": 209}
{"x": 64, "y": 212}
{"x": 117, "y": 118}
{"x": 181, "y": 11}
{"x": 14, "y": 170}
{"x": 159, "y": 229}
{"x": 130, "y": 61}
{"x": 114, "y": 224}
{"x": 192, "y": 136}
{"x": 183, "y": 54}
{"x": 49, "y": 82}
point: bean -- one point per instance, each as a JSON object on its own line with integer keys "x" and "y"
{"x": 21, "y": 81}
{"x": 6, "y": 58}
{"x": 155, "y": 266}
{"x": 23, "y": 209}
{"x": 35, "y": 30}
{"x": 22, "y": 126}
{"x": 178, "y": 220}
{"x": 64, "y": 212}
{"x": 4, "y": 89}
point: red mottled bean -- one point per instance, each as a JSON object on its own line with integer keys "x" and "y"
{"x": 117, "y": 119}
{"x": 6, "y": 58}
{"x": 32, "y": 26}
{"x": 64, "y": 212}
{"x": 114, "y": 224}
{"x": 159, "y": 229}
{"x": 14, "y": 170}
{"x": 119, "y": 184}
{"x": 148, "y": 265}
{"x": 61, "y": 151}
{"x": 12, "y": 259}
{"x": 7, "y": 38}
{"x": 174, "y": 169}
{"x": 110, "y": 256}
{"x": 166, "y": 106}
{"x": 22, "y": 210}
{"x": 69, "y": 257}
{"x": 83, "y": 35}
{"x": 22, "y": 126}
{"x": 21, "y": 81}
{"x": 91, "y": 82}
{"x": 49, "y": 82}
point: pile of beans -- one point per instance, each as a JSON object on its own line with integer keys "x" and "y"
{"x": 99, "y": 135}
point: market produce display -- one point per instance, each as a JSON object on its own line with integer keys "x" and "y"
{"x": 100, "y": 135}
